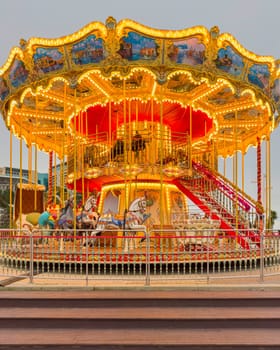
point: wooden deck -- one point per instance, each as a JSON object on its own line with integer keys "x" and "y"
{"x": 150, "y": 319}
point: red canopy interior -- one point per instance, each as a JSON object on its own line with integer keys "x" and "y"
{"x": 96, "y": 119}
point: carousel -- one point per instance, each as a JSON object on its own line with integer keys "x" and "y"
{"x": 148, "y": 128}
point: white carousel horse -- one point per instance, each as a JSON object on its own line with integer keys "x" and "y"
{"x": 133, "y": 221}
{"x": 89, "y": 216}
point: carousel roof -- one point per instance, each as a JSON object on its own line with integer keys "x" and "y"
{"x": 53, "y": 90}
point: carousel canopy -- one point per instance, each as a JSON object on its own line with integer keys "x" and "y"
{"x": 55, "y": 91}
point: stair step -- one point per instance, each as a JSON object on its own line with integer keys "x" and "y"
{"x": 145, "y": 337}
{"x": 139, "y": 319}
{"x": 151, "y": 313}
{"x": 144, "y": 294}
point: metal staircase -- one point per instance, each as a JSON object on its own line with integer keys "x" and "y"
{"x": 219, "y": 199}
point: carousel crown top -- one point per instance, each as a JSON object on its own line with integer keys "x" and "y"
{"x": 55, "y": 92}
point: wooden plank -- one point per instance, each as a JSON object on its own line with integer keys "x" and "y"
{"x": 148, "y": 313}
{"x": 145, "y": 293}
{"x": 217, "y": 337}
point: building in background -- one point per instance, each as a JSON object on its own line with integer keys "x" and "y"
{"x": 43, "y": 179}
{"x": 56, "y": 174}
{"x": 15, "y": 172}
{"x": 5, "y": 188}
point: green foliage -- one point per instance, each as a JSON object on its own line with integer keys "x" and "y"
{"x": 5, "y": 199}
{"x": 5, "y": 204}
{"x": 273, "y": 218}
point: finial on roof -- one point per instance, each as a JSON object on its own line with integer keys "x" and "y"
{"x": 22, "y": 43}
{"x": 111, "y": 22}
{"x": 214, "y": 31}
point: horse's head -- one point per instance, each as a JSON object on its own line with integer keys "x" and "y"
{"x": 69, "y": 203}
{"x": 91, "y": 203}
{"x": 138, "y": 205}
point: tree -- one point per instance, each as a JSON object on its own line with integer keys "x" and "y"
{"x": 273, "y": 218}
{"x": 5, "y": 199}
{"x": 5, "y": 206}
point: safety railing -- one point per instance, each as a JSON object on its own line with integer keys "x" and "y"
{"x": 145, "y": 256}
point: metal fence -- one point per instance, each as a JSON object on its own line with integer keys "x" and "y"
{"x": 161, "y": 255}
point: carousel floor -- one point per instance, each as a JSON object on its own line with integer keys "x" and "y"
{"x": 77, "y": 251}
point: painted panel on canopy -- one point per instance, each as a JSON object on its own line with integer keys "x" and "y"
{"x": 229, "y": 61}
{"x": 134, "y": 81}
{"x": 187, "y": 51}
{"x": 223, "y": 97}
{"x": 4, "y": 90}
{"x": 87, "y": 51}
{"x": 243, "y": 115}
{"x": 276, "y": 92}
{"x": 259, "y": 75}
{"x": 134, "y": 47}
{"x": 48, "y": 60}
{"x": 180, "y": 83}
{"x": 18, "y": 74}
{"x": 42, "y": 104}
{"x": 250, "y": 113}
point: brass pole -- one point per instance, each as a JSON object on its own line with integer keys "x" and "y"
{"x": 125, "y": 147}
{"x": 20, "y": 174}
{"x": 152, "y": 159}
{"x": 83, "y": 157}
{"x": 11, "y": 179}
{"x": 268, "y": 184}
{"x": 191, "y": 136}
{"x": 87, "y": 143}
{"x": 243, "y": 171}
{"x": 225, "y": 158}
{"x": 110, "y": 125}
{"x": 36, "y": 176}
{"x": 29, "y": 147}
{"x": 63, "y": 149}
{"x": 50, "y": 183}
{"x": 36, "y": 156}
{"x": 235, "y": 169}
{"x": 161, "y": 159}
{"x": 55, "y": 172}
{"x": 259, "y": 171}
{"x": 75, "y": 160}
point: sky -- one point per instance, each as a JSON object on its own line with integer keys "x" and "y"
{"x": 254, "y": 23}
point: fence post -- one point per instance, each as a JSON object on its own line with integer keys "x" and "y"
{"x": 208, "y": 259}
{"x": 86, "y": 235}
{"x": 148, "y": 276}
{"x": 262, "y": 234}
{"x": 31, "y": 262}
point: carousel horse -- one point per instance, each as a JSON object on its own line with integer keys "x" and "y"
{"x": 66, "y": 218}
{"x": 40, "y": 224}
{"x": 36, "y": 220}
{"x": 85, "y": 221}
{"x": 88, "y": 218}
{"x": 133, "y": 220}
